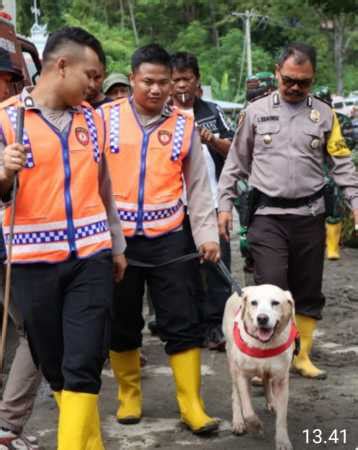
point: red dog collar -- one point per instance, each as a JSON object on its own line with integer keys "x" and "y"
{"x": 260, "y": 352}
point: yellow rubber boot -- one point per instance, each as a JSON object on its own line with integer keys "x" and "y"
{"x": 333, "y": 237}
{"x": 77, "y": 424}
{"x": 95, "y": 439}
{"x": 57, "y": 397}
{"x": 302, "y": 362}
{"x": 186, "y": 370}
{"x": 126, "y": 368}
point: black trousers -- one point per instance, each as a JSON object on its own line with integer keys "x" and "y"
{"x": 288, "y": 251}
{"x": 66, "y": 309}
{"x": 217, "y": 289}
{"x": 172, "y": 292}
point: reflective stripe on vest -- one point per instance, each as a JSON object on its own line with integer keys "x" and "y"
{"x": 147, "y": 172}
{"x": 12, "y": 113}
{"x": 58, "y": 207}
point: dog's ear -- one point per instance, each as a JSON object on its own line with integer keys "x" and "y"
{"x": 291, "y": 302}
{"x": 244, "y": 302}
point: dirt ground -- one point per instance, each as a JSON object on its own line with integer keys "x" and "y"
{"x": 329, "y": 406}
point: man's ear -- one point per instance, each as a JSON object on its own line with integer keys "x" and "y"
{"x": 277, "y": 69}
{"x": 61, "y": 65}
{"x": 131, "y": 80}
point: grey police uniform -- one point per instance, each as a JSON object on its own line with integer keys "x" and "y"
{"x": 280, "y": 148}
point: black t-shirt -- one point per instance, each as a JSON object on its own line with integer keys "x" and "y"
{"x": 209, "y": 115}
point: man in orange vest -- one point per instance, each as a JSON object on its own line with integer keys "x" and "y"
{"x": 64, "y": 230}
{"x": 151, "y": 147}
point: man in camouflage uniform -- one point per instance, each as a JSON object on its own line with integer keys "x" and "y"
{"x": 334, "y": 221}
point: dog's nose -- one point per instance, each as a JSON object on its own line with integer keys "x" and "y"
{"x": 262, "y": 319}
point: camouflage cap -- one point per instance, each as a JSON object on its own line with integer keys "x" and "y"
{"x": 259, "y": 84}
{"x": 115, "y": 78}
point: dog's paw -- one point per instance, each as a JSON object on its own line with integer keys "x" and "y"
{"x": 283, "y": 444}
{"x": 254, "y": 424}
{"x": 238, "y": 428}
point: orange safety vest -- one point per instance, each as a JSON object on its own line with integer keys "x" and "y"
{"x": 146, "y": 167}
{"x": 58, "y": 206}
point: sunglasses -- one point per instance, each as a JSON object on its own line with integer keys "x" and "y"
{"x": 290, "y": 82}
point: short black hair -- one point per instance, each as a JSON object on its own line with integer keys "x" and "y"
{"x": 65, "y": 35}
{"x": 300, "y": 52}
{"x": 185, "y": 60}
{"x": 151, "y": 53}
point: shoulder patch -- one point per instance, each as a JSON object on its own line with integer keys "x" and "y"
{"x": 241, "y": 118}
{"x": 323, "y": 101}
{"x": 260, "y": 96}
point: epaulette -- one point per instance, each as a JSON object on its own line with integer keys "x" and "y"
{"x": 259, "y": 97}
{"x": 322, "y": 100}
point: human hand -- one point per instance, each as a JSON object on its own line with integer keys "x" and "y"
{"x": 210, "y": 251}
{"x": 225, "y": 224}
{"x": 206, "y": 136}
{"x": 119, "y": 266}
{"x": 14, "y": 159}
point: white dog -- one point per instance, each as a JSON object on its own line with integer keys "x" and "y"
{"x": 260, "y": 341}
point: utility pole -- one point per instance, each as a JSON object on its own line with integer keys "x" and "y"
{"x": 246, "y": 17}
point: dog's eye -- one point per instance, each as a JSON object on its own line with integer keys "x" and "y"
{"x": 275, "y": 303}
{"x": 254, "y": 302}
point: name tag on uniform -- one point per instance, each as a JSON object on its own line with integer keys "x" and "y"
{"x": 267, "y": 118}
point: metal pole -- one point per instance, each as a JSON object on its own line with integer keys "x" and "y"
{"x": 248, "y": 42}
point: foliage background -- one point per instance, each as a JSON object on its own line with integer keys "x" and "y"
{"x": 208, "y": 28}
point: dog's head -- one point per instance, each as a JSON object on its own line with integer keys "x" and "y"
{"x": 266, "y": 311}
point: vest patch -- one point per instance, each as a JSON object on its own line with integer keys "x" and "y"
{"x": 82, "y": 135}
{"x": 164, "y": 137}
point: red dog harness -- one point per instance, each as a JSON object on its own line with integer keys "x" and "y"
{"x": 257, "y": 352}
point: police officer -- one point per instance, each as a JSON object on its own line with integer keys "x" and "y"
{"x": 156, "y": 146}
{"x": 334, "y": 221}
{"x": 280, "y": 147}
{"x": 64, "y": 229}
{"x": 257, "y": 85}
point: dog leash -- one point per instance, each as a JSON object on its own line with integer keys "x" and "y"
{"x": 228, "y": 277}
{"x": 220, "y": 265}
